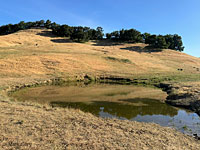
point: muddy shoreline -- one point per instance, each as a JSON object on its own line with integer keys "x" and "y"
{"x": 183, "y": 95}
{"x": 180, "y": 95}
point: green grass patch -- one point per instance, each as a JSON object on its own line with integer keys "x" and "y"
{"x": 118, "y": 59}
{"x": 114, "y": 94}
{"x": 125, "y": 61}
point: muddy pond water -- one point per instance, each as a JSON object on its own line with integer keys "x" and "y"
{"x": 143, "y": 104}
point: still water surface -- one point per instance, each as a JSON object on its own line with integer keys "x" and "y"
{"x": 124, "y": 102}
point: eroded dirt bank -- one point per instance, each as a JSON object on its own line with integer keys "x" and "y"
{"x": 26, "y": 126}
{"x": 186, "y": 95}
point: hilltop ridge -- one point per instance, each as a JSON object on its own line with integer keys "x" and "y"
{"x": 84, "y": 34}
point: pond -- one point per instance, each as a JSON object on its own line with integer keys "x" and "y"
{"x": 136, "y": 103}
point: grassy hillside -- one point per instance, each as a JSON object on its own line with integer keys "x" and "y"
{"x": 37, "y": 54}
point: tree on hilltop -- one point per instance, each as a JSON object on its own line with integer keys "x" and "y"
{"x": 48, "y": 24}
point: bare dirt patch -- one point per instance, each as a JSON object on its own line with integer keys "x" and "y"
{"x": 186, "y": 95}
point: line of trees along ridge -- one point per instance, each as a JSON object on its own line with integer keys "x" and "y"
{"x": 84, "y": 34}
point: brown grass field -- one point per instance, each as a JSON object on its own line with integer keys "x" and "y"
{"x": 37, "y": 55}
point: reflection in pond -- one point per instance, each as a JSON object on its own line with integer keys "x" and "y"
{"x": 148, "y": 110}
{"x": 115, "y": 101}
{"x": 126, "y": 110}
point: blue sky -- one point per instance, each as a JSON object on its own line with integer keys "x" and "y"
{"x": 154, "y": 16}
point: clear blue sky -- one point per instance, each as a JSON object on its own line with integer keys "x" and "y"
{"x": 154, "y": 16}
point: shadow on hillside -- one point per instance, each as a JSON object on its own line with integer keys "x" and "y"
{"x": 62, "y": 40}
{"x": 49, "y": 34}
{"x": 106, "y": 43}
{"x": 139, "y": 49}
{"x": 46, "y": 34}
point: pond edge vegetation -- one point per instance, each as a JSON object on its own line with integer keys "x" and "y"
{"x": 166, "y": 84}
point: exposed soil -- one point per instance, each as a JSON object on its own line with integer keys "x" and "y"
{"x": 186, "y": 95}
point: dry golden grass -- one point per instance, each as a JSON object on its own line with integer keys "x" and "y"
{"x": 24, "y": 126}
{"x": 35, "y": 54}
{"x": 192, "y": 88}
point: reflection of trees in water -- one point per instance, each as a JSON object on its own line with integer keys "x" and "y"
{"x": 150, "y": 107}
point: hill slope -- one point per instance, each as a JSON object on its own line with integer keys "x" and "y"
{"x": 37, "y": 53}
